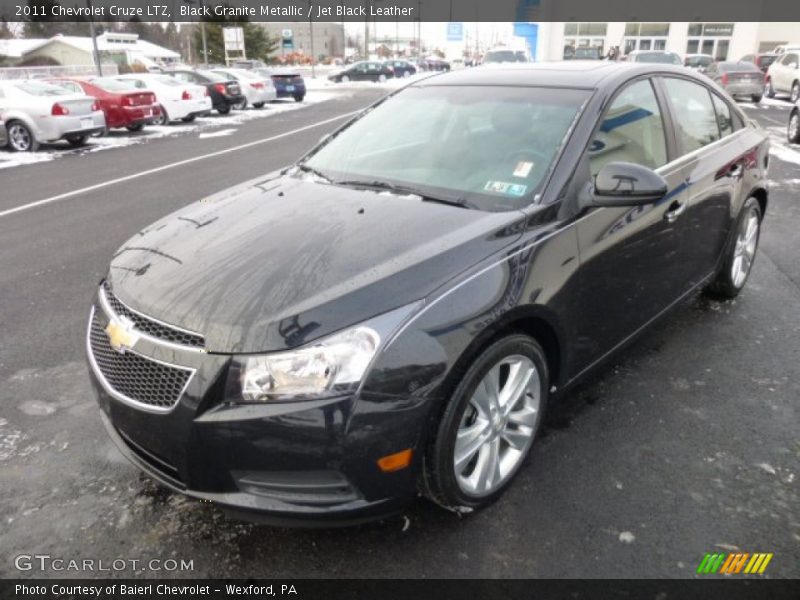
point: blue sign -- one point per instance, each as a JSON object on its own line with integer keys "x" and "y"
{"x": 455, "y": 32}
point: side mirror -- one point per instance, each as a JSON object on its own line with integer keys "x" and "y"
{"x": 627, "y": 184}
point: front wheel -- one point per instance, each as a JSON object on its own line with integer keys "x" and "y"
{"x": 20, "y": 138}
{"x": 795, "y": 95}
{"x": 381, "y": 78}
{"x": 344, "y": 79}
{"x": 299, "y": 98}
{"x": 240, "y": 105}
{"x": 740, "y": 255}
{"x": 488, "y": 426}
{"x": 163, "y": 117}
{"x": 136, "y": 127}
{"x": 258, "y": 104}
{"x": 769, "y": 91}
{"x": 756, "y": 98}
{"x": 224, "y": 110}
{"x": 793, "y": 131}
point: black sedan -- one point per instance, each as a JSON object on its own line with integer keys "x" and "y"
{"x": 401, "y": 68}
{"x": 225, "y": 93}
{"x": 396, "y": 311}
{"x": 363, "y": 71}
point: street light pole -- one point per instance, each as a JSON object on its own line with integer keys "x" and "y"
{"x": 203, "y": 35}
{"x": 94, "y": 40}
{"x": 311, "y": 33}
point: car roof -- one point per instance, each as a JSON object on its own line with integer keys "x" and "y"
{"x": 589, "y": 74}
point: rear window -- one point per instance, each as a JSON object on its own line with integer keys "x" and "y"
{"x": 500, "y": 56}
{"x": 40, "y": 88}
{"x": 113, "y": 85}
{"x": 765, "y": 61}
{"x": 658, "y": 57}
{"x": 738, "y": 67}
{"x": 214, "y": 77}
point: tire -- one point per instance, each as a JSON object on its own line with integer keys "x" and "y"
{"x": 381, "y": 78}
{"x": 21, "y": 138}
{"x": 769, "y": 91}
{"x": 137, "y": 127}
{"x": 743, "y": 248}
{"x": 163, "y": 118}
{"x": 224, "y": 110}
{"x": 344, "y": 79}
{"x": 76, "y": 141}
{"x": 793, "y": 130}
{"x": 188, "y": 118}
{"x": 795, "y": 95}
{"x": 241, "y": 105}
{"x": 258, "y": 104}
{"x": 406, "y": 74}
{"x": 756, "y": 98}
{"x": 461, "y": 487}
{"x": 299, "y": 98}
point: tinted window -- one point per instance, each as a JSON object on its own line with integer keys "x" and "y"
{"x": 696, "y": 120}
{"x": 632, "y": 130}
{"x": 491, "y": 149}
{"x": 40, "y": 88}
{"x": 789, "y": 59}
{"x": 724, "y": 119}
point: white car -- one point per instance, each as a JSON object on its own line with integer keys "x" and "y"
{"x": 257, "y": 89}
{"x": 36, "y": 112}
{"x": 178, "y": 99}
{"x": 783, "y": 76}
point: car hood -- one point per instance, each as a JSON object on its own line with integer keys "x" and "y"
{"x": 277, "y": 262}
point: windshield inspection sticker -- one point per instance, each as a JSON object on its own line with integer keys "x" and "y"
{"x": 523, "y": 169}
{"x": 503, "y": 187}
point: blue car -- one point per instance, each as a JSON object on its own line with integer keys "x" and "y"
{"x": 288, "y": 84}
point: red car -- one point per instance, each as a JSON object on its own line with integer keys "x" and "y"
{"x": 122, "y": 103}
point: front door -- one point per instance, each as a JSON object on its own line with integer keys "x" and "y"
{"x": 628, "y": 254}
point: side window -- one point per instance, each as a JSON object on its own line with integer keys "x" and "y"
{"x": 696, "y": 120}
{"x": 789, "y": 60}
{"x": 724, "y": 119}
{"x": 632, "y": 130}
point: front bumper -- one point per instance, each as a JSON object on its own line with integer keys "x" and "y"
{"x": 302, "y": 463}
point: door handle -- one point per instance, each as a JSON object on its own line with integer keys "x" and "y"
{"x": 676, "y": 209}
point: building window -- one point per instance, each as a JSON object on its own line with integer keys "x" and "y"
{"x": 645, "y": 36}
{"x": 710, "y": 38}
{"x": 584, "y": 40}
{"x": 647, "y": 29}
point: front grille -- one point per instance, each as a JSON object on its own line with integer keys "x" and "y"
{"x": 153, "y": 328}
{"x": 135, "y": 377}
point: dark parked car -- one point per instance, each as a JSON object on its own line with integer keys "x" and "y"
{"x": 225, "y": 93}
{"x": 739, "y": 79}
{"x": 762, "y": 61}
{"x": 363, "y": 71}
{"x": 698, "y": 62}
{"x": 503, "y": 56}
{"x": 434, "y": 64}
{"x": 396, "y": 311}
{"x": 582, "y": 53}
{"x": 401, "y": 68}
{"x": 288, "y": 83}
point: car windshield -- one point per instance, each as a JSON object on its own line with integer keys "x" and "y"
{"x": 167, "y": 80}
{"x": 40, "y": 88}
{"x": 113, "y": 85}
{"x": 658, "y": 57}
{"x": 500, "y": 56}
{"x": 489, "y": 148}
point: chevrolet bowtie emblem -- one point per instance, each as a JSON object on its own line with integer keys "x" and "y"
{"x": 121, "y": 334}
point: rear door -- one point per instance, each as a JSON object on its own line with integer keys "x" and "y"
{"x": 711, "y": 163}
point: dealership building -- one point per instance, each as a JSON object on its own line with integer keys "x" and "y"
{"x": 724, "y": 41}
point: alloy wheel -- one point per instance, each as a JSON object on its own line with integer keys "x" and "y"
{"x": 19, "y": 137}
{"x": 745, "y": 250}
{"x": 498, "y": 426}
{"x": 795, "y": 92}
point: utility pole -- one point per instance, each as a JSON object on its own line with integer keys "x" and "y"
{"x": 366, "y": 33}
{"x": 203, "y": 35}
{"x": 311, "y": 34}
{"x": 94, "y": 40}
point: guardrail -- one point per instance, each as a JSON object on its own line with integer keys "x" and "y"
{"x": 56, "y": 71}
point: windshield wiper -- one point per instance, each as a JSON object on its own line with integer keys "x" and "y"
{"x": 306, "y": 169}
{"x": 401, "y": 189}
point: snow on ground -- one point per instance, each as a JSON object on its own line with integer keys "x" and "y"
{"x": 118, "y": 138}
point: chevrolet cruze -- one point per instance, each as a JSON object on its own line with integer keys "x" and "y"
{"x": 393, "y": 313}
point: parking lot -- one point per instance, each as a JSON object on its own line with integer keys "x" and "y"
{"x": 687, "y": 443}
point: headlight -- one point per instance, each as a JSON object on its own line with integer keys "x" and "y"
{"x": 333, "y": 365}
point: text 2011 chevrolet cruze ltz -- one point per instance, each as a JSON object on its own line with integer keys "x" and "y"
{"x": 394, "y": 312}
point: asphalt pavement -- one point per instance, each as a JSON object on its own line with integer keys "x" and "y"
{"x": 687, "y": 443}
